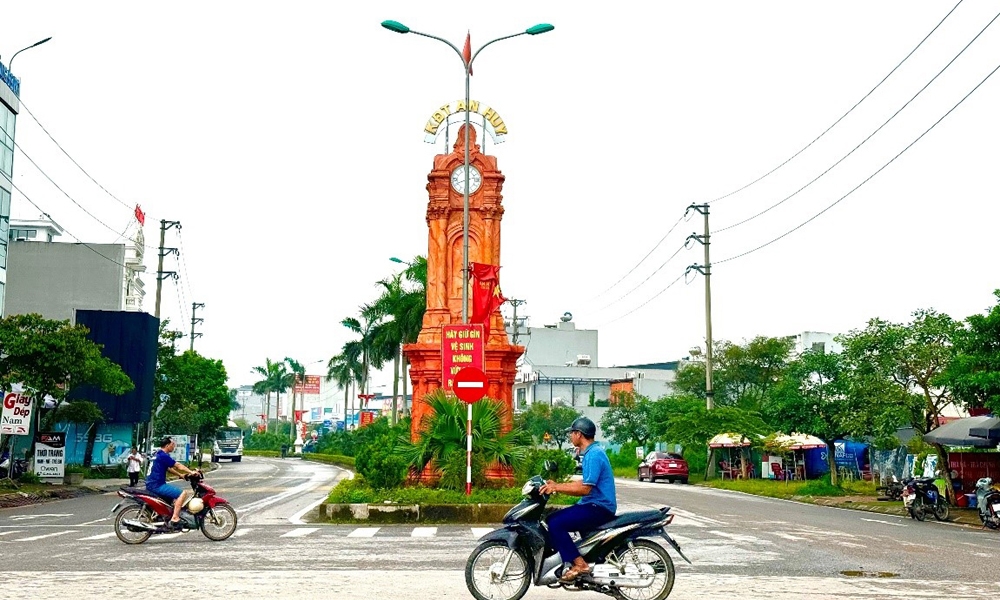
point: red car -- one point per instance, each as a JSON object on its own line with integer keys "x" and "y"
{"x": 664, "y": 465}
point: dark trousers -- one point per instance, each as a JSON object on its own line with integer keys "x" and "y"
{"x": 579, "y": 517}
{"x": 133, "y": 479}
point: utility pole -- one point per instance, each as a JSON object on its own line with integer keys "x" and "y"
{"x": 160, "y": 276}
{"x": 517, "y": 325}
{"x": 706, "y": 270}
{"x": 160, "y": 273}
{"x": 194, "y": 321}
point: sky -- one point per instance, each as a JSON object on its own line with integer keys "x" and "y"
{"x": 287, "y": 140}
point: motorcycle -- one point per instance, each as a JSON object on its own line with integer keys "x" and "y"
{"x": 892, "y": 490}
{"x": 921, "y": 497}
{"x": 145, "y": 514}
{"x": 20, "y": 466}
{"x": 988, "y": 501}
{"x": 624, "y": 562}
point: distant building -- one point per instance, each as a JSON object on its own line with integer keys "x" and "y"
{"x": 817, "y": 341}
{"x": 9, "y": 107}
{"x": 55, "y": 279}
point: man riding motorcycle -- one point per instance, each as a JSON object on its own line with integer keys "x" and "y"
{"x": 156, "y": 481}
{"x": 597, "y": 505}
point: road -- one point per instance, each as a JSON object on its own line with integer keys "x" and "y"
{"x": 740, "y": 545}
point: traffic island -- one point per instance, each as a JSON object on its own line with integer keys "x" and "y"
{"x": 388, "y": 513}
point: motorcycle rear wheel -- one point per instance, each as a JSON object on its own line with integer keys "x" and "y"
{"x": 142, "y": 514}
{"x": 917, "y": 510}
{"x": 941, "y": 510}
{"x": 483, "y": 568}
{"x": 219, "y": 523}
{"x": 649, "y": 553}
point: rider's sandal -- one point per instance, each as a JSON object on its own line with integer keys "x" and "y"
{"x": 573, "y": 573}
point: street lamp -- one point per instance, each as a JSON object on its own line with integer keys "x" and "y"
{"x": 400, "y": 261}
{"x": 10, "y": 63}
{"x": 398, "y": 27}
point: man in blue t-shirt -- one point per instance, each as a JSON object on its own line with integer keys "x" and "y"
{"x": 596, "y": 507}
{"x": 156, "y": 481}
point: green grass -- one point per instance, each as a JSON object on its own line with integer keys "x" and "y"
{"x": 788, "y": 489}
{"x": 356, "y": 491}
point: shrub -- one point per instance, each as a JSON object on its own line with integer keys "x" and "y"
{"x": 265, "y": 441}
{"x": 534, "y": 464}
{"x": 454, "y": 472}
{"x": 351, "y": 491}
{"x": 625, "y": 458}
{"x": 28, "y": 477}
{"x": 820, "y": 487}
{"x": 379, "y": 463}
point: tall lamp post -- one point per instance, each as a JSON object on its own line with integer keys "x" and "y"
{"x": 10, "y": 63}
{"x": 467, "y": 66}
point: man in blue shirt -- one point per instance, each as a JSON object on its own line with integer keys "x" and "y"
{"x": 596, "y": 507}
{"x": 156, "y": 481}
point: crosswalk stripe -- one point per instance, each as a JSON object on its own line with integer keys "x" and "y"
{"x": 97, "y": 537}
{"x": 41, "y": 537}
{"x": 424, "y": 532}
{"x": 11, "y": 532}
{"x": 364, "y": 532}
{"x": 168, "y": 536}
{"x": 478, "y": 532}
{"x": 241, "y": 532}
{"x": 300, "y": 532}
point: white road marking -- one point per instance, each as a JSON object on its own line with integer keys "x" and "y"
{"x": 478, "y": 532}
{"x": 94, "y": 521}
{"x": 300, "y": 532}
{"x": 241, "y": 532}
{"x": 364, "y": 532}
{"x": 424, "y": 532}
{"x": 30, "y": 517}
{"x": 168, "y": 536}
{"x": 884, "y": 522}
{"x": 10, "y": 532}
{"x": 737, "y": 537}
{"x": 41, "y": 537}
{"x": 789, "y": 537}
{"x": 97, "y": 537}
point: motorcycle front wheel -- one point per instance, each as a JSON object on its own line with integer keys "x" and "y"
{"x": 645, "y": 556}
{"x": 219, "y": 523}
{"x": 917, "y": 510}
{"x": 484, "y": 572}
{"x": 941, "y": 510}
{"x": 142, "y": 514}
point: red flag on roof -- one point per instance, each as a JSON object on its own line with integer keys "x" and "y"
{"x": 139, "y": 215}
{"x": 467, "y": 52}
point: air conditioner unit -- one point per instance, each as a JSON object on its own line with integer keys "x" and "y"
{"x": 632, "y": 374}
{"x": 583, "y": 359}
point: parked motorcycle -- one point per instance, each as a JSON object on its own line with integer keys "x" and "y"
{"x": 20, "y": 466}
{"x": 625, "y": 563}
{"x": 988, "y": 501}
{"x": 145, "y": 514}
{"x": 921, "y": 497}
{"x": 892, "y": 490}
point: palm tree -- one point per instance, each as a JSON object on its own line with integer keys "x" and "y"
{"x": 371, "y": 356}
{"x": 269, "y": 373}
{"x": 389, "y": 333}
{"x": 345, "y": 369}
{"x": 283, "y": 380}
{"x": 406, "y": 308}
{"x": 298, "y": 372}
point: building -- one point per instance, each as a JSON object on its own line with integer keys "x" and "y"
{"x": 816, "y": 341}
{"x": 55, "y": 279}
{"x": 9, "y": 107}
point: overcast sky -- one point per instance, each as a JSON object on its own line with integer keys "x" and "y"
{"x": 287, "y": 139}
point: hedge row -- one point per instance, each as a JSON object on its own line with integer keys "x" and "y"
{"x": 331, "y": 459}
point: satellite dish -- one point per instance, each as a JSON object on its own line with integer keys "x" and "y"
{"x": 567, "y": 317}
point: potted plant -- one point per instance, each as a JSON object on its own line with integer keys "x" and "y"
{"x": 74, "y": 475}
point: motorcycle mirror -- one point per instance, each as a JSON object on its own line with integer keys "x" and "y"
{"x": 551, "y": 466}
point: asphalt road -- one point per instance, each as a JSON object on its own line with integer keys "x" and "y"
{"x": 740, "y": 545}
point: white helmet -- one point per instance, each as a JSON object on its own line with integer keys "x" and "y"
{"x": 195, "y": 505}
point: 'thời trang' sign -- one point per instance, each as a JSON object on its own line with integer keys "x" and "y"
{"x": 15, "y": 419}
{"x": 50, "y": 454}
{"x": 461, "y": 346}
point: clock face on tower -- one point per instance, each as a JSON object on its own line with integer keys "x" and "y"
{"x": 458, "y": 179}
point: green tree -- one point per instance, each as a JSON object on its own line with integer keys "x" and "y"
{"x": 193, "y": 397}
{"x": 541, "y": 419}
{"x": 627, "y": 419}
{"x": 298, "y": 373}
{"x": 685, "y": 420}
{"x": 345, "y": 369}
{"x": 367, "y": 346}
{"x": 974, "y": 372}
{"x": 271, "y": 374}
{"x": 742, "y": 375}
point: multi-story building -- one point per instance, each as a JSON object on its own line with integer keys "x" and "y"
{"x": 9, "y": 107}
{"x": 55, "y": 278}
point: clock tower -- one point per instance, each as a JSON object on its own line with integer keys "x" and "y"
{"x": 445, "y": 207}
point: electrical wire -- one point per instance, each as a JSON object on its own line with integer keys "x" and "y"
{"x": 870, "y": 136}
{"x": 657, "y": 295}
{"x": 648, "y": 254}
{"x": 865, "y": 97}
{"x": 663, "y": 264}
{"x": 810, "y": 219}
{"x": 181, "y": 252}
{"x": 49, "y": 217}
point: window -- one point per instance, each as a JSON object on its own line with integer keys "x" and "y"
{"x": 6, "y": 141}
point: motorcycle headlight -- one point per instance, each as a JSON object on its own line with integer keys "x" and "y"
{"x": 195, "y": 505}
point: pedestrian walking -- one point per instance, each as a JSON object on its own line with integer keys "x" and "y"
{"x": 134, "y": 466}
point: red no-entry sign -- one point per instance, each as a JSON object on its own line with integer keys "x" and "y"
{"x": 470, "y": 384}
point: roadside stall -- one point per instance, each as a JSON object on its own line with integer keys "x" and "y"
{"x": 741, "y": 467}
{"x": 795, "y": 444}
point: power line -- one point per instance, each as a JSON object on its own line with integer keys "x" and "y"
{"x": 48, "y": 216}
{"x": 870, "y": 136}
{"x": 836, "y": 202}
{"x": 657, "y": 295}
{"x": 187, "y": 278}
{"x": 865, "y": 97}
{"x": 663, "y": 264}
{"x": 648, "y": 254}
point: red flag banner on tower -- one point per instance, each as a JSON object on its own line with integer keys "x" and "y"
{"x": 139, "y": 215}
{"x": 467, "y": 52}
{"x": 486, "y": 295}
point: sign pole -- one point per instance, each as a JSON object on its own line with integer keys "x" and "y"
{"x": 468, "y": 453}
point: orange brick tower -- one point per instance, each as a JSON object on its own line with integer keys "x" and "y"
{"x": 445, "y": 187}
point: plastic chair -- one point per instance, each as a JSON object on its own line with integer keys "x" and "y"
{"x": 778, "y": 472}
